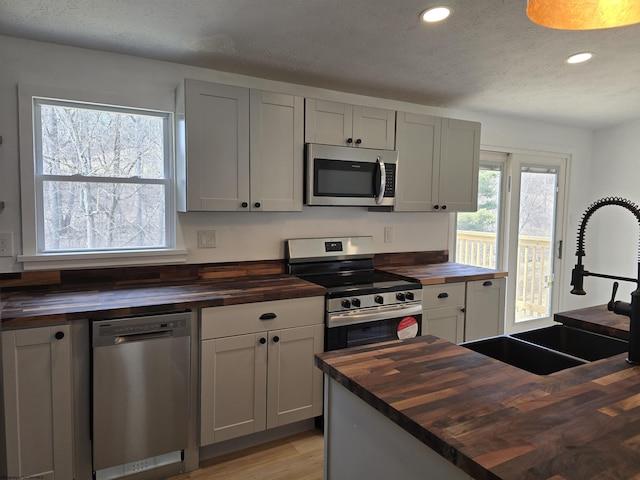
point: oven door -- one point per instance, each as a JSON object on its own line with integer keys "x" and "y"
{"x": 350, "y": 329}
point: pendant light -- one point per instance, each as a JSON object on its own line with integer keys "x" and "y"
{"x": 583, "y": 14}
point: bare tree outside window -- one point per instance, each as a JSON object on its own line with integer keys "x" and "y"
{"x": 102, "y": 177}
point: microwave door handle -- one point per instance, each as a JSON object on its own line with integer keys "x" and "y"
{"x": 383, "y": 178}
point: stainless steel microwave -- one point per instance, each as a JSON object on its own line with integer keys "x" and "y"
{"x": 349, "y": 176}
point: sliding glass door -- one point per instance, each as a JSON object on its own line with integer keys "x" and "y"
{"x": 518, "y": 228}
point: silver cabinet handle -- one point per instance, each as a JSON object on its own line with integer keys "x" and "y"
{"x": 383, "y": 180}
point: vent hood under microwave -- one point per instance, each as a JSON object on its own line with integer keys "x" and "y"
{"x": 349, "y": 176}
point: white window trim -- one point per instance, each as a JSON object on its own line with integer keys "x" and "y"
{"x": 31, "y": 258}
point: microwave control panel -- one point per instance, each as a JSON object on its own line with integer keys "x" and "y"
{"x": 390, "y": 181}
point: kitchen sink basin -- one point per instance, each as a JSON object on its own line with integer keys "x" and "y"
{"x": 532, "y": 358}
{"x": 573, "y": 341}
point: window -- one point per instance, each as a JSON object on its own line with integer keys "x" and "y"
{"x": 100, "y": 179}
{"x": 477, "y": 233}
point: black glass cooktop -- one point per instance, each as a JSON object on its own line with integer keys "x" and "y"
{"x": 362, "y": 283}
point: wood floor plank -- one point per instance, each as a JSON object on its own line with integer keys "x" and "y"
{"x": 298, "y": 457}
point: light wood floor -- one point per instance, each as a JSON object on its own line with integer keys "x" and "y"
{"x": 298, "y": 457}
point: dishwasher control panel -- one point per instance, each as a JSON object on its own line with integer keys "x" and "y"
{"x": 126, "y": 329}
{"x": 108, "y": 332}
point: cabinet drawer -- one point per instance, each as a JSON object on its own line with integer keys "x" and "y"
{"x": 444, "y": 295}
{"x": 261, "y": 316}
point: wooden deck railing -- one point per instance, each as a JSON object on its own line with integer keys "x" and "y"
{"x": 534, "y": 269}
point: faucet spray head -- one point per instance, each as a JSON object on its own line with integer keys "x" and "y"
{"x": 577, "y": 280}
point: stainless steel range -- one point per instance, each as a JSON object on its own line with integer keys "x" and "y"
{"x": 362, "y": 305}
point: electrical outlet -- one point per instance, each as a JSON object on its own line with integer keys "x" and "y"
{"x": 388, "y": 234}
{"x": 6, "y": 244}
{"x": 206, "y": 239}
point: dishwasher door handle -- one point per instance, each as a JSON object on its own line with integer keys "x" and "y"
{"x": 139, "y": 337}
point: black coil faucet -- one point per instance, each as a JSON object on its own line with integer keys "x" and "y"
{"x": 631, "y": 310}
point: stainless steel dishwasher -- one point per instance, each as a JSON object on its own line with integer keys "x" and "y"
{"x": 140, "y": 390}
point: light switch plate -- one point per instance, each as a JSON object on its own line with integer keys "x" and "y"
{"x": 6, "y": 244}
{"x": 388, "y": 234}
{"x": 206, "y": 239}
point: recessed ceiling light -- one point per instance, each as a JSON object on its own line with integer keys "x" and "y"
{"x": 580, "y": 57}
{"x": 435, "y": 14}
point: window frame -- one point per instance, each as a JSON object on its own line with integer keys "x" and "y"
{"x": 31, "y": 181}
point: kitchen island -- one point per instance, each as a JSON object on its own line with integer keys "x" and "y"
{"x": 403, "y": 407}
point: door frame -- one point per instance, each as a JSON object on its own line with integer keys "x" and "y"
{"x": 514, "y": 164}
{"x": 507, "y": 227}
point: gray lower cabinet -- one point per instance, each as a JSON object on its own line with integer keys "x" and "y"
{"x": 38, "y": 408}
{"x": 257, "y": 369}
{"x": 464, "y": 311}
{"x": 484, "y": 308}
{"x": 443, "y": 311}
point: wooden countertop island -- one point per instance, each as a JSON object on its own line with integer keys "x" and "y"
{"x": 488, "y": 419}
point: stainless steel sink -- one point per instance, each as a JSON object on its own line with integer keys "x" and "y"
{"x": 573, "y": 341}
{"x": 532, "y": 358}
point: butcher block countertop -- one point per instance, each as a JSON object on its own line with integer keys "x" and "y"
{"x": 33, "y": 308}
{"x": 495, "y": 421}
{"x": 596, "y": 319}
{"x": 447, "y": 272}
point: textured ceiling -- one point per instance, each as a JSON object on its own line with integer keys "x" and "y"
{"x": 486, "y": 57}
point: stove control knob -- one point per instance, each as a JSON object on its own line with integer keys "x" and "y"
{"x": 400, "y": 296}
{"x": 378, "y": 299}
{"x": 355, "y": 302}
{"x": 346, "y": 303}
{"x": 409, "y": 296}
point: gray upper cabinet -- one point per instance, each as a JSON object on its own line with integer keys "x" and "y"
{"x": 438, "y": 163}
{"x": 238, "y": 149}
{"x": 418, "y": 138}
{"x": 458, "y": 167}
{"x": 334, "y": 123}
{"x": 277, "y": 151}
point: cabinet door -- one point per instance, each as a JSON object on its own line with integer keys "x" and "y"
{"x": 38, "y": 402}
{"x": 295, "y": 384}
{"x": 485, "y": 309}
{"x": 329, "y": 123}
{"x": 217, "y": 146}
{"x": 446, "y": 323}
{"x": 277, "y": 151}
{"x": 374, "y": 127}
{"x": 457, "y": 176}
{"x": 233, "y": 387}
{"x": 418, "y": 141}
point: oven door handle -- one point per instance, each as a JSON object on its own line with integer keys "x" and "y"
{"x": 372, "y": 315}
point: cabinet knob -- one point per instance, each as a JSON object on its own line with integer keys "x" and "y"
{"x": 488, "y": 283}
{"x": 444, "y": 207}
{"x": 59, "y": 335}
{"x": 276, "y": 339}
{"x": 443, "y": 295}
{"x": 349, "y": 141}
{"x": 358, "y": 141}
{"x": 436, "y": 207}
{"x": 245, "y": 204}
{"x": 463, "y": 310}
{"x": 263, "y": 341}
{"x": 268, "y": 316}
{"x": 257, "y": 204}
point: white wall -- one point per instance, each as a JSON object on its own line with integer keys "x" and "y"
{"x": 613, "y": 234}
{"x": 255, "y": 235}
